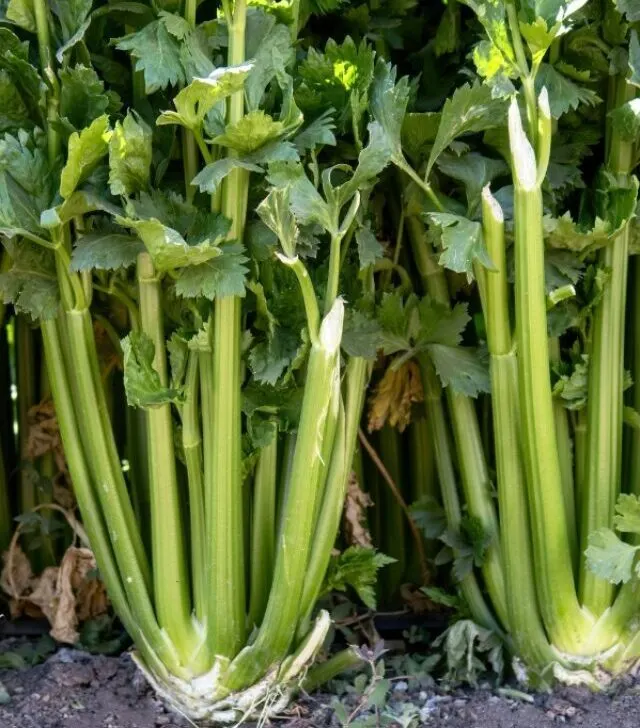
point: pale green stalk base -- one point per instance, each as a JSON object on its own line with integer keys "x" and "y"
{"x": 263, "y": 535}
{"x": 208, "y": 699}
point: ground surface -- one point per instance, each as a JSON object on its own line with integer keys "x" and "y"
{"x": 75, "y": 690}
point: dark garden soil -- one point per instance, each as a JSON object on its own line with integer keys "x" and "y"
{"x": 75, "y": 690}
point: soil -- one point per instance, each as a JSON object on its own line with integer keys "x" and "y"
{"x": 75, "y": 690}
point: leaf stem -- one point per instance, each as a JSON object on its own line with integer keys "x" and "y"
{"x": 603, "y": 465}
{"x": 170, "y": 577}
{"x": 223, "y": 484}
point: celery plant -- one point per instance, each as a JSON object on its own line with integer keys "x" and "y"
{"x": 143, "y": 198}
{"x": 532, "y": 442}
{"x": 557, "y": 441}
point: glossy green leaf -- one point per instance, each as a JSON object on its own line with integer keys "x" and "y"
{"x": 130, "y": 153}
{"x": 87, "y": 149}
{"x": 105, "y": 250}
{"x": 141, "y": 381}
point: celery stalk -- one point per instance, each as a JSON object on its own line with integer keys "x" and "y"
{"x": 563, "y": 617}
{"x": 294, "y": 543}
{"x": 263, "y": 531}
{"x": 450, "y": 499}
{"x": 468, "y": 440}
{"x": 170, "y": 578}
{"x": 223, "y": 484}
{"x": 603, "y": 462}
{"x": 525, "y": 623}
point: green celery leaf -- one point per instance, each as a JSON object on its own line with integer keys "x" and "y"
{"x": 141, "y": 381}
{"x": 625, "y": 120}
{"x": 72, "y": 15}
{"x": 217, "y": 278}
{"x": 561, "y": 268}
{"x": 471, "y": 109}
{"x": 627, "y": 518}
{"x": 74, "y": 18}
{"x": 275, "y": 212}
{"x": 371, "y": 161}
{"x": 338, "y": 78}
{"x": 419, "y": 131}
{"x": 447, "y": 38}
{"x": 25, "y": 182}
{"x": 565, "y": 234}
{"x": 362, "y": 335}
{"x": 157, "y": 54}
{"x": 264, "y": 400}
{"x": 130, "y": 152}
{"x": 616, "y": 205}
{"x": 467, "y": 647}
{"x": 251, "y": 132}
{"x": 492, "y": 16}
{"x": 270, "y": 359}
{"x": 610, "y": 558}
{"x": 265, "y": 320}
{"x": 629, "y": 8}
{"x": 496, "y": 71}
{"x": 195, "y": 101}
{"x": 370, "y": 249}
{"x": 318, "y": 133}
{"x": 307, "y": 204}
{"x": 25, "y": 77}
{"x": 463, "y": 243}
{"x": 169, "y": 250}
{"x": 475, "y": 171}
{"x": 82, "y": 96}
{"x": 105, "y": 250}
{"x": 31, "y": 283}
{"x": 564, "y": 94}
{"x": 389, "y": 105}
{"x": 178, "y": 349}
{"x": 79, "y": 203}
{"x": 551, "y": 11}
{"x": 539, "y": 36}
{"x": 210, "y": 177}
{"x": 14, "y": 113}
{"x": 399, "y": 321}
{"x": 572, "y": 387}
{"x": 21, "y": 13}
{"x": 270, "y": 60}
{"x": 356, "y": 567}
{"x": 86, "y": 150}
{"x": 429, "y": 517}
{"x": 440, "y": 324}
{"x": 461, "y": 369}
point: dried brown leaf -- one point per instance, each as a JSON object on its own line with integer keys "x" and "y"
{"x": 394, "y": 396}
{"x": 65, "y": 595}
{"x": 44, "y": 434}
{"x": 417, "y": 601}
{"x": 355, "y": 517}
{"x": 16, "y": 577}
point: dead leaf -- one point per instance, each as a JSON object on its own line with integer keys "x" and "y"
{"x": 65, "y": 595}
{"x": 109, "y": 356}
{"x": 355, "y": 517}
{"x": 16, "y": 578}
{"x": 417, "y": 601}
{"x": 394, "y": 396}
{"x": 44, "y": 438}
